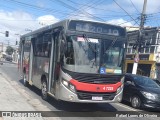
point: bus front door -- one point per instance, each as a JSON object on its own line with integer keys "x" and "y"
{"x": 53, "y": 62}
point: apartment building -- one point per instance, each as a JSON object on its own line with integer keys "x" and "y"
{"x": 149, "y": 52}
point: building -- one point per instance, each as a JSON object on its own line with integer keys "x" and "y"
{"x": 131, "y": 28}
{"x": 149, "y": 52}
{"x": 15, "y": 55}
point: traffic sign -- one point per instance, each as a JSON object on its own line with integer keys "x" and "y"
{"x": 136, "y": 59}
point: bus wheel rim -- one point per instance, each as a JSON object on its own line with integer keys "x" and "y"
{"x": 44, "y": 89}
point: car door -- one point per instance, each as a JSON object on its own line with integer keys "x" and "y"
{"x": 128, "y": 88}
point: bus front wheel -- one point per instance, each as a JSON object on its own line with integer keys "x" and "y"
{"x": 44, "y": 90}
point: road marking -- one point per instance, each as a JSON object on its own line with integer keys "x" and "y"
{"x": 125, "y": 106}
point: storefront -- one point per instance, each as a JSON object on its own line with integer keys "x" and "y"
{"x": 146, "y": 65}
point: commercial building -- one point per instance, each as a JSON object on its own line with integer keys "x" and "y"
{"x": 149, "y": 52}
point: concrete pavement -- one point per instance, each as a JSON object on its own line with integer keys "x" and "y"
{"x": 12, "y": 100}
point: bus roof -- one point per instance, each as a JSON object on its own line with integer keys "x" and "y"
{"x": 64, "y": 23}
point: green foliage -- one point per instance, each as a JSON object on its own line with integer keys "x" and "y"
{"x": 9, "y": 50}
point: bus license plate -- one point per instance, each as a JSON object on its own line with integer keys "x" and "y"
{"x": 96, "y": 98}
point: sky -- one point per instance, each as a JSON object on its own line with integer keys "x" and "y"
{"x": 22, "y": 16}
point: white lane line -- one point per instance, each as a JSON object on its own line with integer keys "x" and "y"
{"x": 125, "y": 106}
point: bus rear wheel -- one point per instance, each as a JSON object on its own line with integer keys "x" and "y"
{"x": 44, "y": 93}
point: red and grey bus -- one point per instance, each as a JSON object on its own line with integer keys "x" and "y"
{"x": 75, "y": 60}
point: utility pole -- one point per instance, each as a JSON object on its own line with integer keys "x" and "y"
{"x": 8, "y": 43}
{"x": 140, "y": 38}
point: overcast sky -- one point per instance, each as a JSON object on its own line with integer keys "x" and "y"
{"x": 20, "y": 16}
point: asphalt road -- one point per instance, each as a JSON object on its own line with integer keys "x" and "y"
{"x": 11, "y": 72}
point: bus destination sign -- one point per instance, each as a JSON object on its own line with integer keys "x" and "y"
{"x": 96, "y": 28}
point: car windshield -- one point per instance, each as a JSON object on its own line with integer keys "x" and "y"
{"x": 91, "y": 55}
{"x": 145, "y": 81}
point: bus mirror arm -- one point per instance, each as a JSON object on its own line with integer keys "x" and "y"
{"x": 62, "y": 45}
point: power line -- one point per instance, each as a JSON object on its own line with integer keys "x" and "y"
{"x": 73, "y": 8}
{"x": 36, "y": 7}
{"x": 151, "y": 21}
{"x": 129, "y": 21}
{"x": 134, "y": 6}
{"x": 151, "y": 17}
{"x": 39, "y": 8}
{"x": 51, "y": 10}
{"x": 95, "y": 3}
{"x": 126, "y": 12}
{"x": 46, "y": 9}
{"x": 97, "y": 8}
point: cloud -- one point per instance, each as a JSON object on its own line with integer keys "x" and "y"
{"x": 47, "y": 19}
{"x": 120, "y": 21}
{"x": 16, "y": 22}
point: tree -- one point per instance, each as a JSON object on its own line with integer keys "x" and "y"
{"x": 9, "y": 50}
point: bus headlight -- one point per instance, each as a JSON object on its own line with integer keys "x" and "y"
{"x": 72, "y": 88}
{"x": 65, "y": 83}
{"x": 68, "y": 85}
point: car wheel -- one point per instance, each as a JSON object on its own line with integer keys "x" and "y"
{"x": 135, "y": 102}
{"x": 25, "y": 82}
{"x": 44, "y": 94}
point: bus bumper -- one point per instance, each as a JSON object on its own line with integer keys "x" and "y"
{"x": 63, "y": 93}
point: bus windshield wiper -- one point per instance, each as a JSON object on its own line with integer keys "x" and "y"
{"x": 89, "y": 43}
{"x": 110, "y": 46}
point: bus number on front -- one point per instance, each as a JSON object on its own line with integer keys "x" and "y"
{"x": 108, "y": 88}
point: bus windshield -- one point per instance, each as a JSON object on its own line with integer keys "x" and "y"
{"x": 91, "y": 55}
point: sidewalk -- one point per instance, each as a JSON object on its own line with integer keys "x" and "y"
{"x": 12, "y": 100}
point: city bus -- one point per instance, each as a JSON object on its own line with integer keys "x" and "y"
{"x": 75, "y": 61}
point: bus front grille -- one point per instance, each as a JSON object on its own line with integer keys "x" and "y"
{"x": 83, "y": 95}
{"x": 98, "y": 80}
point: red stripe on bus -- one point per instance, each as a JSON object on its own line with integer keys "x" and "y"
{"x": 95, "y": 87}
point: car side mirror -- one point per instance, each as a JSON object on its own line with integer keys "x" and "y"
{"x": 129, "y": 83}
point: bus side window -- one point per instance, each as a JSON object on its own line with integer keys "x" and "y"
{"x": 47, "y": 49}
{"x": 33, "y": 40}
{"x": 42, "y": 45}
